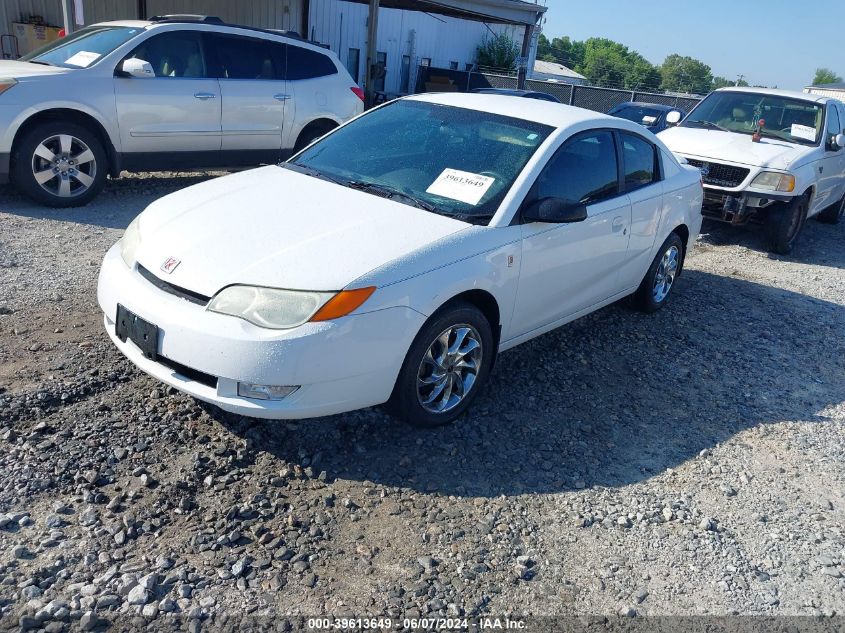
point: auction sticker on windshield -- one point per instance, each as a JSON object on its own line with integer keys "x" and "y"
{"x": 803, "y": 131}
{"x": 461, "y": 185}
{"x": 83, "y": 59}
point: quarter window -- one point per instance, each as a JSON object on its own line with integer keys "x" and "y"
{"x": 303, "y": 63}
{"x": 640, "y": 164}
{"x": 582, "y": 171}
{"x": 173, "y": 54}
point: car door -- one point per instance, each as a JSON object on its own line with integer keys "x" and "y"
{"x": 831, "y": 185}
{"x": 177, "y": 110}
{"x": 567, "y": 268}
{"x": 642, "y": 182}
{"x": 254, "y": 95}
{"x": 313, "y": 90}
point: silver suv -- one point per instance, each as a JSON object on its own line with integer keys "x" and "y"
{"x": 168, "y": 93}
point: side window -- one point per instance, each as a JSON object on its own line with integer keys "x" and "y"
{"x": 303, "y": 63}
{"x": 639, "y": 160}
{"x": 584, "y": 170}
{"x": 173, "y": 54}
{"x": 238, "y": 57}
{"x": 834, "y": 127}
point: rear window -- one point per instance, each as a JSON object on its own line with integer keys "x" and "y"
{"x": 245, "y": 57}
{"x": 303, "y": 63}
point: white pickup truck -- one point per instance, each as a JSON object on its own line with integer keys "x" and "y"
{"x": 767, "y": 156}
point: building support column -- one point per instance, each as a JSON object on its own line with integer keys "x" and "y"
{"x": 305, "y": 26}
{"x": 67, "y": 16}
{"x": 372, "y": 46}
{"x": 526, "y": 49}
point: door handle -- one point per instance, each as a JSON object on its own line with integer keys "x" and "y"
{"x": 204, "y": 95}
{"x": 618, "y": 224}
{"x": 281, "y": 97}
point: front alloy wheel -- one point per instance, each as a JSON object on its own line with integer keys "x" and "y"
{"x": 64, "y": 166}
{"x": 445, "y": 366}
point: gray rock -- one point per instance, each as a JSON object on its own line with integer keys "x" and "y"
{"x": 138, "y": 595}
{"x": 427, "y": 562}
{"x": 89, "y": 621}
{"x": 240, "y": 567}
{"x": 167, "y": 606}
{"x": 108, "y": 600}
{"x": 707, "y": 524}
{"x": 627, "y": 612}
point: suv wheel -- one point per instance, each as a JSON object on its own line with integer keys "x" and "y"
{"x": 833, "y": 213}
{"x": 60, "y": 164}
{"x": 445, "y": 367}
{"x": 784, "y": 224}
{"x": 659, "y": 281}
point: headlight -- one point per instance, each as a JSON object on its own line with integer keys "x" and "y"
{"x": 283, "y": 309}
{"x": 5, "y": 84}
{"x": 774, "y": 181}
{"x": 130, "y": 242}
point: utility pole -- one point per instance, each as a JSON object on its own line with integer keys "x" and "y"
{"x": 372, "y": 37}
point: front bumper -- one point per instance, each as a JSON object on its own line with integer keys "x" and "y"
{"x": 339, "y": 365}
{"x": 739, "y": 207}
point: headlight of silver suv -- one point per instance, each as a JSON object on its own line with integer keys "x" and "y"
{"x": 774, "y": 181}
{"x": 130, "y": 242}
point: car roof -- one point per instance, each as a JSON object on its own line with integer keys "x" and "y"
{"x": 549, "y": 113}
{"x": 213, "y": 26}
{"x": 776, "y": 92}
{"x": 502, "y": 91}
{"x": 657, "y": 106}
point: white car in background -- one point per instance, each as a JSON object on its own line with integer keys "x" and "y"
{"x": 173, "y": 92}
{"x": 393, "y": 259}
{"x": 791, "y": 170}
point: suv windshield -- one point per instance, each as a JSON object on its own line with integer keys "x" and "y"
{"x": 788, "y": 119}
{"x": 83, "y": 48}
{"x": 448, "y": 160}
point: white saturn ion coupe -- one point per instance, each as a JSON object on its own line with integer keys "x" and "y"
{"x": 391, "y": 260}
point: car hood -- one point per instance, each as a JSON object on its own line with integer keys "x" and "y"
{"x": 278, "y": 228}
{"x": 17, "y": 70}
{"x": 732, "y": 147}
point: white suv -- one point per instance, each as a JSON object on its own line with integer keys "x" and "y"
{"x": 767, "y": 156}
{"x": 168, "y": 93}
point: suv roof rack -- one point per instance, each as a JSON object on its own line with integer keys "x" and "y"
{"x": 186, "y": 17}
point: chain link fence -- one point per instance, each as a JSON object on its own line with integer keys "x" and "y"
{"x": 432, "y": 79}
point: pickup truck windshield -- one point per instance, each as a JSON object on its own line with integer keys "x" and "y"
{"x": 451, "y": 161}
{"x": 787, "y": 119}
{"x": 83, "y": 48}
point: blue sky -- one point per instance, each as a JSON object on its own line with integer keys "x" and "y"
{"x": 771, "y": 42}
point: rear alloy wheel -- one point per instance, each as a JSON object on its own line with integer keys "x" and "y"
{"x": 444, "y": 368}
{"x": 60, "y": 164}
{"x": 784, "y": 224}
{"x": 833, "y": 214}
{"x": 661, "y": 276}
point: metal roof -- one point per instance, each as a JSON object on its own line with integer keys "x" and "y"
{"x": 517, "y": 12}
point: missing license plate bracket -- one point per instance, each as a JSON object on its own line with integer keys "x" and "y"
{"x": 144, "y": 334}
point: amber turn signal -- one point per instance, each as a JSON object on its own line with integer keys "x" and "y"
{"x": 343, "y": 303}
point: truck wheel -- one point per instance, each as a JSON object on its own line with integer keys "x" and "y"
{"x": 833, "y": 213}
{"x": 658, "y": 282}
{"x": 60, "y": 164}
{"x": 784, "y": 224}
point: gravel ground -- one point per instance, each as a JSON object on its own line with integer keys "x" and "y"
{"x": 684, "y": 463}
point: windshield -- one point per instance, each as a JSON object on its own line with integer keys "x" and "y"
{"x": 453, "y": 161}
{"x": 83, "y": 48}
{"x": 639, "y": 114}
{"x": 788, "y": 119}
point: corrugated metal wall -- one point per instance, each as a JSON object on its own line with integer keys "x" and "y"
{"x": 268, "y": 14}
{"x": 343, "y": 25}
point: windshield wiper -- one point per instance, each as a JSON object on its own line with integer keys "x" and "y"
{"x": 41, "y": 63}
{"x": 310, "y": 171}
{"x": 390, "y": 193}
{"x": 706, "y": 125}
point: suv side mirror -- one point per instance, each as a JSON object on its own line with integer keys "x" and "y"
{"x": 555, "y": 211}
{"x": 839, "y": 141}
{"x": 673, "y": 118}
{"x": 137, "y": 68}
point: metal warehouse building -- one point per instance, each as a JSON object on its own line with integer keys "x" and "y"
{"x": 411, "y": 33}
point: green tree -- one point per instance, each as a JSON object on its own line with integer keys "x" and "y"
{"x": 499, "y": 51}
{"x": 561, "y": 50}
{"x": 721, "y": 82}
{"x": 826, "y": 76}
{"x": 685, "y": 74}
{"x": 609, "y": 63}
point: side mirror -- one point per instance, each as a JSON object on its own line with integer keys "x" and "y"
{"x": 839, "y": 140}
{"x": 673, "y": 118}
{"x": 137, "y": 68}
{"x": 555, "y": 211}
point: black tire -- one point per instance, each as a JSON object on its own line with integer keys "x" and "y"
{"x": 650, "y": 298}
{"x": 406, "y": 402}
{"x": 784, "y": 223}
{"x": 48, "y": 134}
{"x": 833, "y": 214}
{"x": 311, "y": 133}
